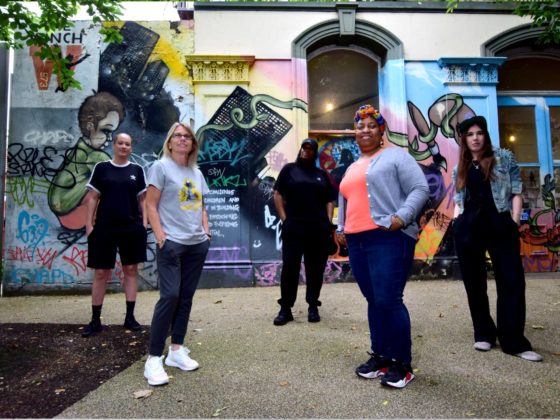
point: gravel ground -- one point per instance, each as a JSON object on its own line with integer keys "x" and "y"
{"x": 252, "y": 369}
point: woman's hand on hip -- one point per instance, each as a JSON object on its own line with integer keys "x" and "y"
{"x": 340, "y": 238}
{"x": 396, "y": 223}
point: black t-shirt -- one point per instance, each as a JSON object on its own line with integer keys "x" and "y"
{"x": 118, "y": 188}
{"x": 306, "y": 191}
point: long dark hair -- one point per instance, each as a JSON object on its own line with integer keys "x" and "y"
{"x": 487, "y": 162}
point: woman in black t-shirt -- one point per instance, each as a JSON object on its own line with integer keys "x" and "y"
{"x": 304, "y": 198}
{"x": 116, "y": 202}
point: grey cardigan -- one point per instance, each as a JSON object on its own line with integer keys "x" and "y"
{"x": 395, "y": 185}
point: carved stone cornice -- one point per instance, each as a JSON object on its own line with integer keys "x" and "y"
{"x": 220, "y": 68}
{"x": 479, "y": 70}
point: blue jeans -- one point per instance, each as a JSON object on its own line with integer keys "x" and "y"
{"x": 381, "y": 261}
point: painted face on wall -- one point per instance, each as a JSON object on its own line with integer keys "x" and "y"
{"x": 368, "y": 135}
{"x": 475, "y": 139}
{"x": 98, "y": 137}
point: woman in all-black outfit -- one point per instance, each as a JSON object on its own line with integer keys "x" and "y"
{"x": 488, "y": 207}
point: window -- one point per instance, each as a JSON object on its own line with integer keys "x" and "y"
{"x": 529, "y": 116}
{"x": 529, "y": 74}
{"x": 518, "y": 133}
{"x": 339, "y": 81}
{"x": 530, "y": 127}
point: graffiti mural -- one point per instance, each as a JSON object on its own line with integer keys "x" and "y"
{"x": 423, "y": 143}
{"x": 540, "y": 232}
{"x": 98, "y": 117}
{"x": 57, "y": 136}
{"x": 233, "y": 147}
{"x": 142, "y": 85}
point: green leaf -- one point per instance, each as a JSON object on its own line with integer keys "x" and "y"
{"x": 20, "y": 27}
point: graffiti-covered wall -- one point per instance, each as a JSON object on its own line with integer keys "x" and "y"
{"x": 140, "y": 86}
{"x": 250, "y": 113}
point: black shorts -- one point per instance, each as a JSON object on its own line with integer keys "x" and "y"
{"x": 105, "y": 240}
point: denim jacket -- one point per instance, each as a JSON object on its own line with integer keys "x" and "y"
{"x": 506, "y": 182}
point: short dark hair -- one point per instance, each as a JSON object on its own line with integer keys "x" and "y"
{"x": 95, "y": 108}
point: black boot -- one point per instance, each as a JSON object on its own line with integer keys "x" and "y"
{"x": 92, "y": 328}
{"x": 95, "y": 325}
{"x": 284, "y": 316}
{"x": 131, "y": 324}
{"x": 313, "y": 314}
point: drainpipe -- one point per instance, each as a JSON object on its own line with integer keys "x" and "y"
{"x": 4, "y": 108}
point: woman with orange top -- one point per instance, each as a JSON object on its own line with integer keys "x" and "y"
{"x": 381, "y": 195}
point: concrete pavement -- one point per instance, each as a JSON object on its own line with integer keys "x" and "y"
{"x": 252, "y": 369}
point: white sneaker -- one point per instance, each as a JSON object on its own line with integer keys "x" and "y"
{"x": 530, "y": 356}
{"x": 482, "y": 345}
{"x": 180, "y": 359}
{"x": 154, "y": 372}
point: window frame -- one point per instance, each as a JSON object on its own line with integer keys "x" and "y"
{"x": 332, "y": 48}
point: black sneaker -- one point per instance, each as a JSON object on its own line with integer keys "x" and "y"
{"x": 92, "y": 328}
{"x": 132, "y": 325}
{"x": 313, "y": 314}
{"x": 284, "y": 316}
{"x": 376, "y": 366}
{"x": 398, "y": 376}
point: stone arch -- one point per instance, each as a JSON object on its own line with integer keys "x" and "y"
{"x": 522, "y": 35}
{"x": 529, "y": 65}
{"x": 365, "y": 34}
{"x": 349, "y": 31}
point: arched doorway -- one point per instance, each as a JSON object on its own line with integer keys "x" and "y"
{"x": 353, "y": 40}
{"x": 529, "y": 106}
{"x": 338, "y": 66}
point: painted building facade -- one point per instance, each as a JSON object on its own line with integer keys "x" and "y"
{"x": 254, "y": 80}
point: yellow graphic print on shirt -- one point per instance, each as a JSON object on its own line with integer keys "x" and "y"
{"x": 189, "y": 197}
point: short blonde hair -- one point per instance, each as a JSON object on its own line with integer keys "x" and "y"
{"x": 193, "y": 155}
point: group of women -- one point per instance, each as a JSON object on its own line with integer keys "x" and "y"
{"x": 380, "y": 198}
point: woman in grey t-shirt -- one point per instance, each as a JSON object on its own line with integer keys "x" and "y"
{"x": 175, "y": 206}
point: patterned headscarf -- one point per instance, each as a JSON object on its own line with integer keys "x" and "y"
{"x": 369, "y": 111}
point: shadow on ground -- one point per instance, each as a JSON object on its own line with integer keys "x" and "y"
{"x": 45, "y": 368}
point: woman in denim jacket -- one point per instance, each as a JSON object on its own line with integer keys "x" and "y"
{"x": 488, "y": 206}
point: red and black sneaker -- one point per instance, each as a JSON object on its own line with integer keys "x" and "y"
{"x": 376, "y": 366}
{"x": 398, "y": 375}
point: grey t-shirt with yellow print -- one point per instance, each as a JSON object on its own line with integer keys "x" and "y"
{"x": 180, "y": 205}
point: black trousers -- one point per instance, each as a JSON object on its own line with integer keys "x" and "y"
{"x": 179, "y": 270}
{"x": 298, "y": 243}
{"x": 475, "y": 233}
